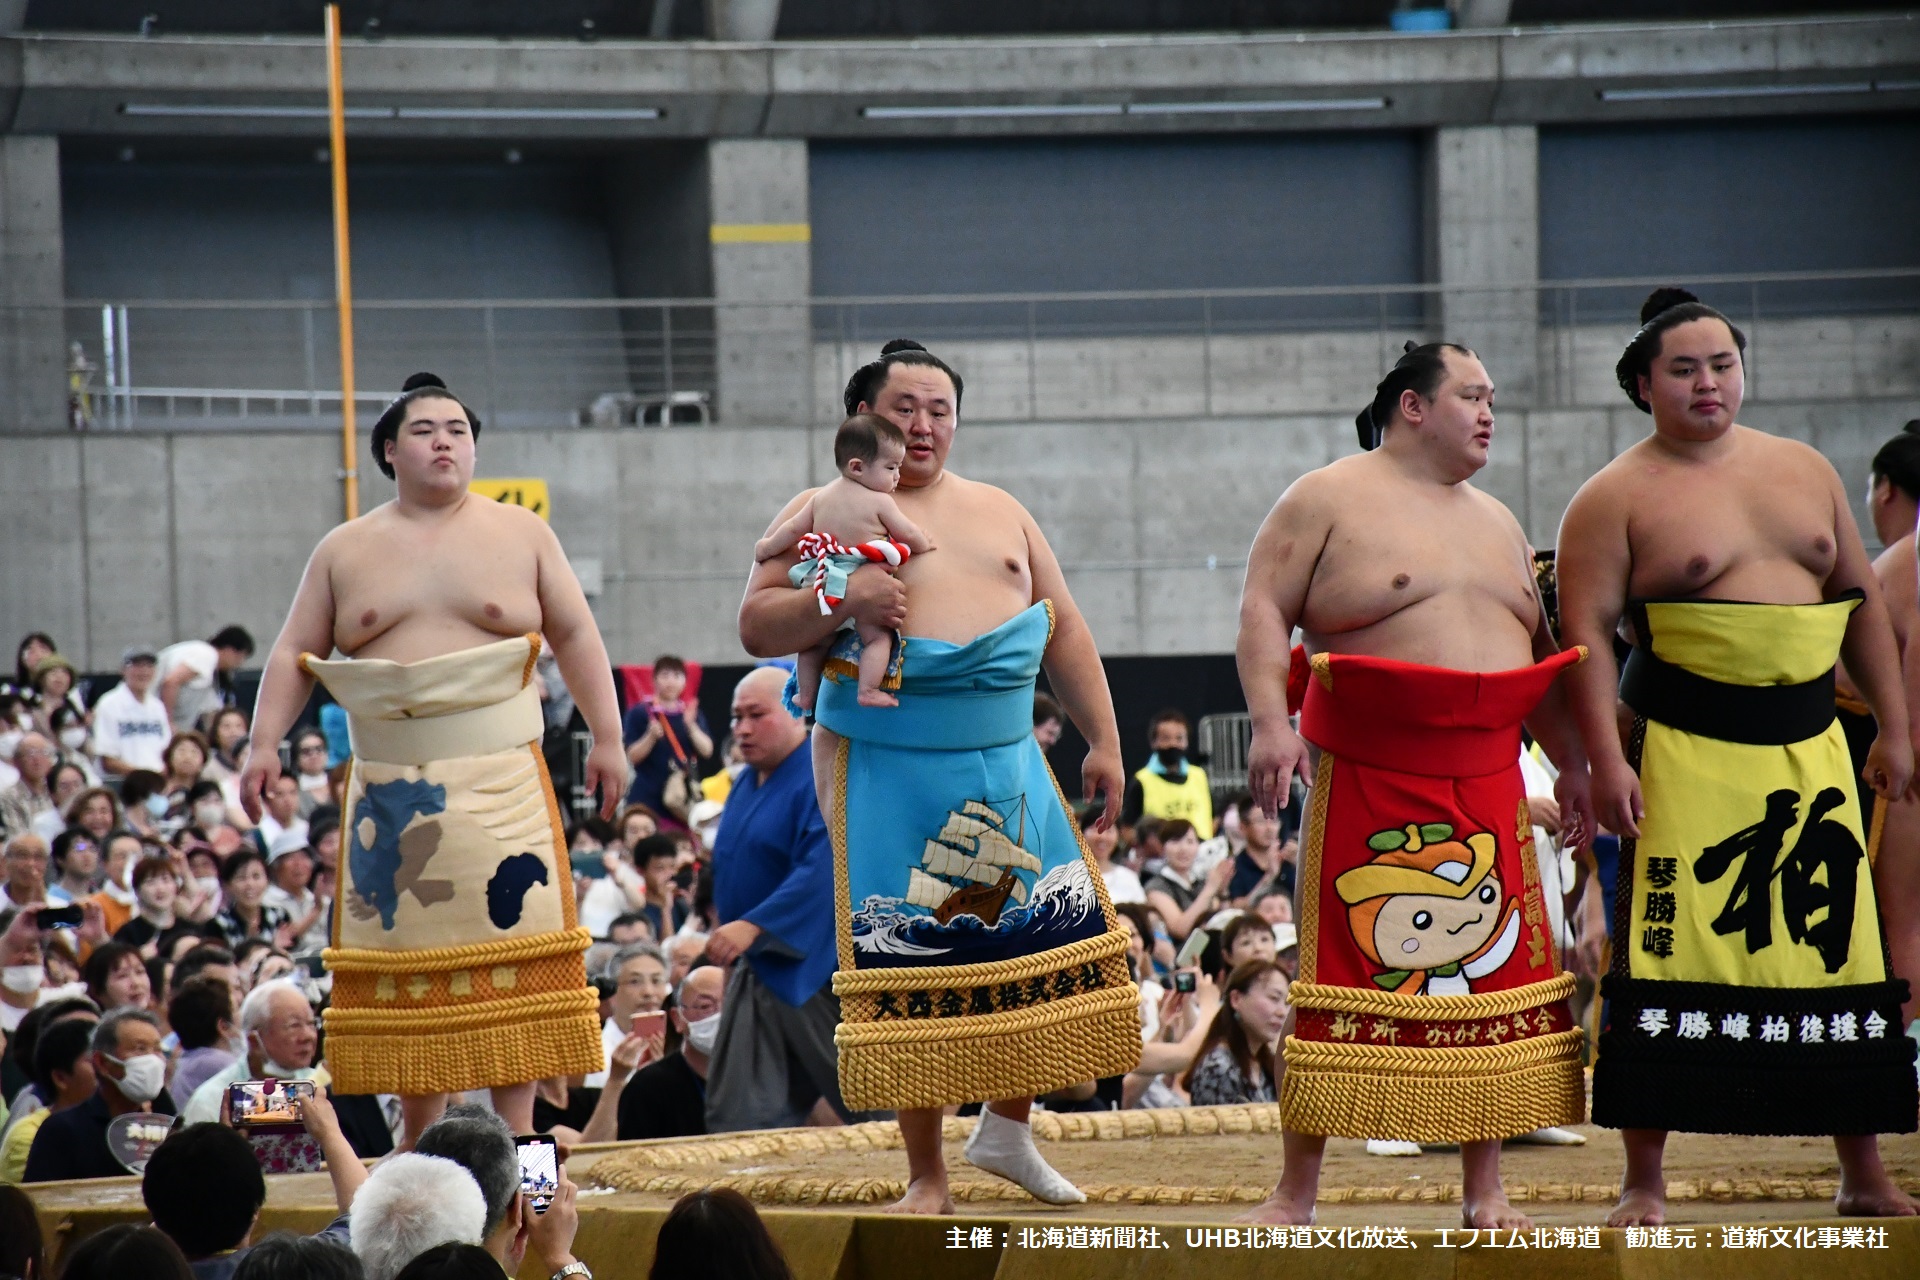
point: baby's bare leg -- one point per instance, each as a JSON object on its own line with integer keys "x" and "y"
{"x": 876, "y": 649}
{"x": 807, "y": 666}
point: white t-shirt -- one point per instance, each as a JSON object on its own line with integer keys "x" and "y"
{"x": 610, "y": 1037}
{"x": 1122, "y": 884}
{"x": 132, "y": 729}
{"x": 199, "y": 694}
{"x": 12, "y": 1016}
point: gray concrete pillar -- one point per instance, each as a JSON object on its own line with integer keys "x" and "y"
{"x": 762, "y": 275}
{"x": 33, "y": 395}
{"x": 1485, "y": 230}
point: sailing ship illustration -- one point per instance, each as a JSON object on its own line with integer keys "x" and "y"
{"x": 971, "y": 867}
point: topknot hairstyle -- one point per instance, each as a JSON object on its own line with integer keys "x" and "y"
{"x": 421, "y": 386}
{"x": 867, "y": 380}
{"x": 1664, "y": 309}
{"x": 1421, "y": 370}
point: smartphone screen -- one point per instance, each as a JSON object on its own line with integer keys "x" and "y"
{"x": 70, "y": 917}
{"x": 1191, "y": 949}
{"x": 267, "y": 1106}
{"x": 539, "y": 1170}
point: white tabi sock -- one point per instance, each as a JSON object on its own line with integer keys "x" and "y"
{"x": 1005, "y": 1147}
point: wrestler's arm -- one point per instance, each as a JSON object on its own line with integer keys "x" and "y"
{"x": 776, "y": 620}
{"x": 1595, "y": 564}
{"x": 568, "y": 625}
{"x": 1280, "y": 566}
{"x": 1078, "y": 678}
{"x": 1869, "y": 650}
{"x": 786, "y": 536}
{"x": 284, "y": 685}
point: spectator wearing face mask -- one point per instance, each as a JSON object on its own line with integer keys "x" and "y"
{"x": 281, "y": 1035}
{"x": 143, "y": 797}
{"x": 68, "y": 779}
{"x": 1170, "y": 786}
{"x": 668, "y": 1099}
{"x": 131, "y": 727}
{"x": 209, "y": 814}
{"x": 310, "y": 769}
{"x": 131, "y": 1075}
{"x": 23, "y": 972}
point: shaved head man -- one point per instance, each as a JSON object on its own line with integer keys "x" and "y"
{"x": 774, "y": 1060}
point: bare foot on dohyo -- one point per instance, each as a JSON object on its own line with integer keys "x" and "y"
{"x": 1280, "y": 1211}
{"x": 876, "y": 698}
{"x": 1639, "y": 1207}
{"x": 924, "y": 1195}
{"x": 1880, "y": 1198}
{"x": 1494, "y": 1213}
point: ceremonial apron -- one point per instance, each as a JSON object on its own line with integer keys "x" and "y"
{"x": 1750, "y": 991}
{"x": 457, "y": 960}
{"x": 1430, "y": 1005}
{"x": 980, "y": 957}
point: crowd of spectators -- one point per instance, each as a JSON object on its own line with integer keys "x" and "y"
{"x": 191, "y": 958}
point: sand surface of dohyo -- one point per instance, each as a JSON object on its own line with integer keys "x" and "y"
{"x": 1215, "y": 1176}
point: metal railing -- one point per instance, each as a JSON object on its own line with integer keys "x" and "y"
{"x": 543, "y": 363}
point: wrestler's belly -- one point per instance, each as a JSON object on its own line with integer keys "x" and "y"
{"x": 1461, "y": 631}
{"x": 432, "y": 636}
{"x": 960, "y": 607}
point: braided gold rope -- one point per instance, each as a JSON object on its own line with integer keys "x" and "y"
{"x": 1390, "y": 1004}
{"x": 1448, "y": 1061}
{"x": 842, "y": 873}
{"x": 861, "y": 981}
{"x": 1031, "y": 1051}
{"x": 1361, "y": 1099}
{"x": 853, "y": 1035}
{"x": 471, "y": 1017}
{"x": 506, "y": 951}
{"x": 1307, "y": 892}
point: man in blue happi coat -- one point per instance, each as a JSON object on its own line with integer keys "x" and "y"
{"x": 774, "y": 1060}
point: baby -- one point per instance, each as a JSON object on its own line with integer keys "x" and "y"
{"x": 849, "y": 522}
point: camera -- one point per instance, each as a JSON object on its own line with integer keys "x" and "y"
{"x": 1183, "y": 981}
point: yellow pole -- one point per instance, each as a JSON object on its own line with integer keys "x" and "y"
{"x": 342, "y": 264}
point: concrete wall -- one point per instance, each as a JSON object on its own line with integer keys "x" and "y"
{"x": 32, "y": 353}
{"x": 158, "y": 538}
{"x": 1831, "y": 358}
